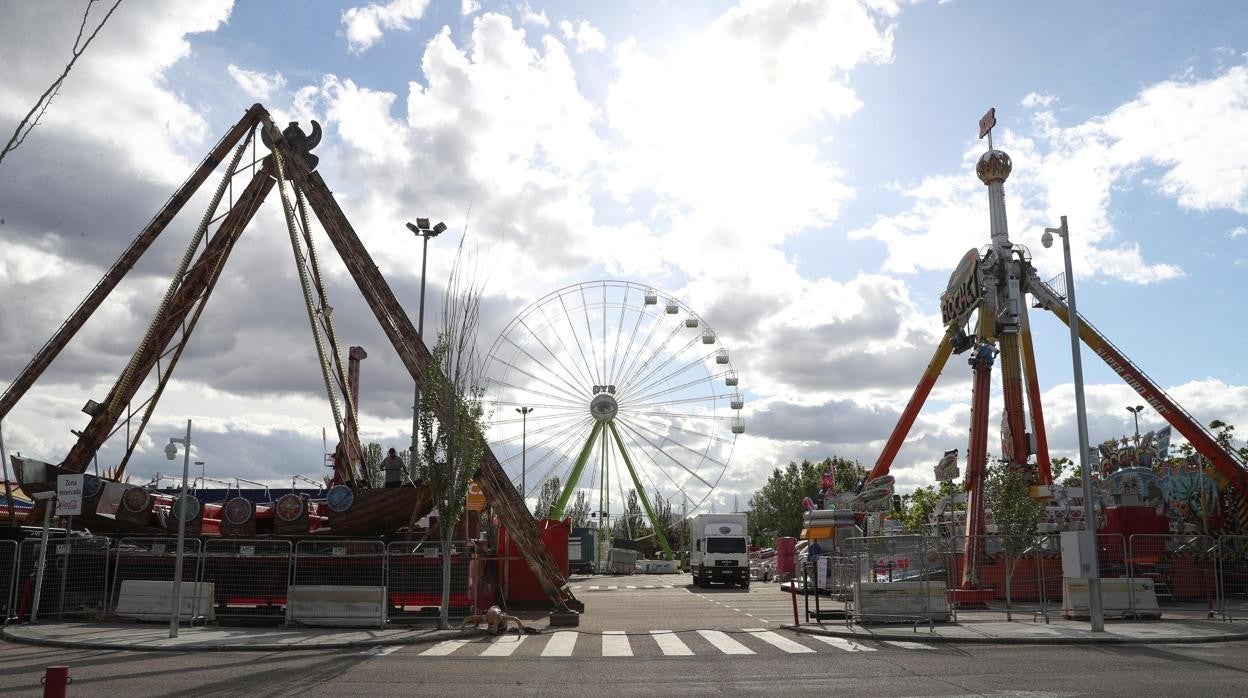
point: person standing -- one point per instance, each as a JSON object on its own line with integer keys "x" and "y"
{"x": 393, "y": 468}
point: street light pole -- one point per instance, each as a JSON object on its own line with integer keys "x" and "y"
{"x": 524, "y": 447}
{"x": 1135, "y": 411}
{"x": 424, "y": 231}
{"x": 1088, "y": 556}
{"x": 179, "y": 511}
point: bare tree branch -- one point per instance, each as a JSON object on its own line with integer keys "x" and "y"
{"x": 32, "y": 118}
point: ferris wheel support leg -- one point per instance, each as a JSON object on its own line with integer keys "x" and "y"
{"x": 641, "y": 492}
{"x": 575, "y": 477}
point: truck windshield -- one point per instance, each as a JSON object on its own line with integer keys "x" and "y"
{"x": 725, "y": 545}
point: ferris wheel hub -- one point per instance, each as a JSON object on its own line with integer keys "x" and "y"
{"x": 603, "y": 407}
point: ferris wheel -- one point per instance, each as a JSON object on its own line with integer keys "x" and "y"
{"x": 612, "y": 386}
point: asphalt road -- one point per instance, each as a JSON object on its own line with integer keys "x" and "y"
{"x": 667, "y": 639}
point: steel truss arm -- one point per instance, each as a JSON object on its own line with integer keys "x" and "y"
{"x": 191, "y": 293}
{"x": 1186, "y": 424}
{"x": 124, "y": 263}
{"x": 410, "y": 346}
{"x": 908, "y": 415}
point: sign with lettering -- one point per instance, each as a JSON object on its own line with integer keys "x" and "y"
{"x": 963, "y": 294}
{"x": 68, "y": 495}
{"x": 987, "y": 122}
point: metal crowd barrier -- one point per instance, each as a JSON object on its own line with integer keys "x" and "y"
{"x": 338, "y": 582}
{"x": 250, "y": 578}
{"x": 137, "y": 561}
{"x": 1232, "y": 575}
{"x": 8, "y": 577}
{"x": 75, "y": 579}
{"x": 1182, "y": 569}
{"x": 910, "y": 560}
{"x": 414, "y": 580}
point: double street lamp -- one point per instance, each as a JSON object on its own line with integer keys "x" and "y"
{"x": 1135, "y": 411}
{"x": 422, "y": 229}
{"x": 524, "y": 446}
{"x": 1091, "y": 569}
{"x": 182, "y": 514}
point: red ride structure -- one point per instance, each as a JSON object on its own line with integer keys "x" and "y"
{"x": 990, "y": 286}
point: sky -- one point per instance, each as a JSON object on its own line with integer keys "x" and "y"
{"x": 798, "y": 174}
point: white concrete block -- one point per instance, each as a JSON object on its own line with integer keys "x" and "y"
{"x": 337, "y": 606}
{"x": 153, "y": 601}
{"x": 1116, "y": 593}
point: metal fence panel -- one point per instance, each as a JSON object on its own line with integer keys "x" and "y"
{"x": 1183, "y": 569}
{"x": 154, "y": 560}
{"x": 251, "y": 579}
{"x": 914, "y": 564}
{"x": 75, "y": 579}
{"x": 8, "y": 577}
{"x": 414, "y": 581}
{"x": 1232, "y": 572}
{"x": 339, "y": 583}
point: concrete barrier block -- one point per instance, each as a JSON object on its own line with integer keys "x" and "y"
{"x": 153, "y": 600}
{"x": 337, "y": 606}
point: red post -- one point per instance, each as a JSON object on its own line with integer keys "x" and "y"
{"x": 55, "y": 680}
{"x": 793, "y": 593}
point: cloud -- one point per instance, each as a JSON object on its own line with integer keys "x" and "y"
{"x": 257, "y": 85}
{"x": 584, "y": 36}
{"x": 528, "y": 16}
{"x": 365, "y": 24}
{"x": 1035, "y": 100}
{"x": 1238, "y": 231}
{"x": 468, "y": 7}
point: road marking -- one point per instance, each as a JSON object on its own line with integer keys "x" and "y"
{"x": 670, "y": 644}
{"x": 503, "y": 646}
{"x": 612, "y": 587}
{"x": 908, "y": 645}
{"x": 723, "y": 643}
{"x": 592, "y": 587}
{"x": 779, "y": 642}
{"x": 560, "y": 644}
{"x": 630, "y": 586}
{"x": 615, "y": 644}
{"x": 444, "y": 648}
{"x": 842, "y": 643}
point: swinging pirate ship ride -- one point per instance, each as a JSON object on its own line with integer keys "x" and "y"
{"x": 351, "y": 507}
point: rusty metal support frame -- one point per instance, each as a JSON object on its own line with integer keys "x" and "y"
{"x": 415, "y": 355}
{"x": 126, "y": 261}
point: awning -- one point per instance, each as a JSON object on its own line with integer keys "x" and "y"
{"x": 818, "y": 532}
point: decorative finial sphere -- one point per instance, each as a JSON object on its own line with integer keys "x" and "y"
{"x": 993, "y": 166}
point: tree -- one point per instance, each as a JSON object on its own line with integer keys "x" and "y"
{"x": 579, "y": 511}
{"x": 32, "y": 118}
{"x": 452, "y": 438}
{"x": 1015, "y": 514}
{"x": 1225, "y": 435}
{"x": 546, "y": 498}
{"x": 1058, "y": 468}
{"x": 632, "y": 523}
{"x": 917, "y": 506}
{"x": 370, "y": 463}
{"x": 777, "y": 506}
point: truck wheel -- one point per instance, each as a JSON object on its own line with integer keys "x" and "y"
{"x": 745, "y": 584}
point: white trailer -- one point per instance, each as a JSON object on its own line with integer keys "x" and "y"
{"x": 718, "y": 549}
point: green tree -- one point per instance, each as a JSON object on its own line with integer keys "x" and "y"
{"x": 1015, "y": 514}
{"x": 546, "y": 498}
{"x": 917, "y": 506}
{"x": 371, "y": 464}
{"x": 1059, "y": 466}
{"x": 451, "y": 434}
{"x": 777, "y": 506}
{"x": 579, "y": 511}
{"x": 632, "y": 523}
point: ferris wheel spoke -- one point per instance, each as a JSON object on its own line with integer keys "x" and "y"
{"x": 554, "y": 447}
{"x": 571, "y": 398}
{"x": 562, "y": 402}
{"x": 641, "y": 395}
{"x": 632, "y": 337}
{"x": 619, "y": 330}
{"x": 589, "y": 330}
{"x": 691, "y": 432}
{"x": 681, "y": 401}
{"x": 536, "y": 432}
{"x": 636, "y": 369}
{"x": 570, "y": 374}
{"x": 560, "y": 456}
{"x": 545, "y": 417}
{"x": 641, "y": 435}
{"x": 579, "y": 346}
{"x": 647, "y": 378}
{"x": 649, "y": 456}
{"x": 577, "y": 391}
{"x": 690, "y": 415}
{"x": 701, "y": 454}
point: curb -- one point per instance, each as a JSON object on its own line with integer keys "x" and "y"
{"x": 1000, "y": 640}
{"x": 7, "y": 635}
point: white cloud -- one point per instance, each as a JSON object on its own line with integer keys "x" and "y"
{"x": 468, "y": 7}
{"x": 528, "y": 16}
{"x": 1238, "y": 231}
{"x": 1035, "y": 100}
{"x": 584, "y": 36}
{"x": 257, "y": 85}
{"x": 365, "y": 24}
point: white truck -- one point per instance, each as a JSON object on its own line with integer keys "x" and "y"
{"x": 717, "y": 551}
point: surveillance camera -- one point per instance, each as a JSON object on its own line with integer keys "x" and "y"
{"x": 171, "y": 451}
{"x": 1046, "y": 239}
{"x": 44, "y": 496}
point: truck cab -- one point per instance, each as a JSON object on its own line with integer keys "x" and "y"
{"x": 718, "y": 552}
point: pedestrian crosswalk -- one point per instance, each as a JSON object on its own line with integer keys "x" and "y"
{"x": 656, "y": 643}
{"x": 619, "y": 587}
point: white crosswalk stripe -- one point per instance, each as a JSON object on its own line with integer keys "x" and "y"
{"x": 615, "y": 644}
{"x": 444, "y": 648}
{"x": 908, "y": 645}
{"x": 842, "y": 643}
{"x": 503, "y": 646}
{"x": 560, "y": 644}
{"x": 724, "y": 643}
{"x": 670, "y": 644}
{"x": 778, "y": 641}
